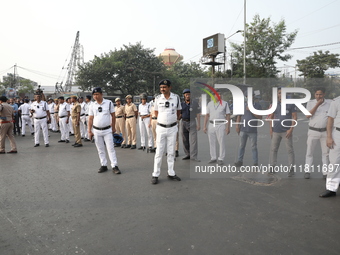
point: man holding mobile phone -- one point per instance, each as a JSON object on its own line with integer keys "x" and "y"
{"x": 318, "y": 108}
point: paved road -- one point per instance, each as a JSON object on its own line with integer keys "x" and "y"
{"x": 53, "y": 201}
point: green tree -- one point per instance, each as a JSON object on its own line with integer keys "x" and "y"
{"x": 129, "y": 70}
{"x": 26, "y": 86}
{"x": 265, "y": 44}
{"x": 181, "y": 73}
{"x": 315, "y": 66}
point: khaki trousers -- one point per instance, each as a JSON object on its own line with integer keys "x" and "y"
{"x": 6, "y": 129}
{"x": 130, "y": 124}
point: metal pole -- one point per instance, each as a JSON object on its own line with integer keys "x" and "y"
{"x": 244, "y": 42}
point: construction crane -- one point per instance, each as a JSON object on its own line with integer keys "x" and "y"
{"x": 77, "y": 59}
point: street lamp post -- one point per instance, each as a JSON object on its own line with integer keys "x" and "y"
{"x": 225, "y": 47}
{"x": 244, "y": 42}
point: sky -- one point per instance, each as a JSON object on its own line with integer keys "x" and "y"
{"x": 38, "y": 35}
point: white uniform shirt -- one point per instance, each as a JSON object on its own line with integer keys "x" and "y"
{"x": 167, "y": 115}
{"x": 144, "y": 109}
{"x": 101, "y": 119}
{"x": 25, "y": 109}
{"x": 319, "y": 119}
{"x": 82, "y": 105}
{"x": 218, "y": 111}
{"x": 334, "y": 112}
{"x": 39, "y": 108}
{"x": 51, "y": 107}
{"x": 64, "y": 108}
{"x": 87, "y": 107}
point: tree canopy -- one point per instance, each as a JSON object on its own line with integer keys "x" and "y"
{"x": 134, "y": 70}
{"x": 265, "y": 44}
{"x": 315, "y": 66}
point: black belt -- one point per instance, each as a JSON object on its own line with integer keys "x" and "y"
{"x": 62, "y": 117}
{"x": 186, "y": 120}
{"x": 82, "y": 114}
{"x": 86, "y": 115}
{"x": 128, "y": 117}
{"x": 167, "y": 126}
{"x": 318, "y": 129}
{"x": 144, "y": 115}
{"x": 119, "y": 117}
{"x": 55, "y": 112}
{"x": 24, "y": 114}
{"x": 104, "y": 128}
{"x": 154, "y": 118}
{"x": 217, "y": 122}
{"x": 337, "y": 129}
{"x": 41, "y": 118}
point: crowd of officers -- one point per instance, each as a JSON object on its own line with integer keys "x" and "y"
{"x": 158, "y": 124}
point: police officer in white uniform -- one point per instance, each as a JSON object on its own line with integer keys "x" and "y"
{"x": 101, "y": 126}
{"x": 25, "y": 117}
{"x": 167, "y": 110}
{"x": 318, "y": 108}
{"x": 64, "y": 118}
{"x": 87, "y": 106}
{"x": 144, "y": 111}
{"x": 41, "y": 115}
{"x": 333, "y": 143}
{"x": 53, "y": 124}
{"x": 82, "y": 117}
{"x": 218, "y": 114}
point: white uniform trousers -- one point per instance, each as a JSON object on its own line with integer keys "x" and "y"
{"x": 64, "y": 129}
{"x": 53, "y": 124}
{"x": 153, "y": 128}
{"x": 165, "y": 137}
{"x": 26, "y": 119}
{"x": 70, "y": 126}
{"x": 333, "y": 175}
{"x": 82, "y": 126}
{"x": 312, "y": 140}
{"x": 101, "y": 136}
{"x": 40, "y": 124}
{"x": 86, "y": 133}
{"x": 144, "y": 128}
{"x": 216, "y": 133}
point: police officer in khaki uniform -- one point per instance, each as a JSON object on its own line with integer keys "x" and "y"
{"x": 75, "y": 116}
{"x": 131, "y": 114}
{"x": 6, "y": 126}
{"x": 120, "y": 120}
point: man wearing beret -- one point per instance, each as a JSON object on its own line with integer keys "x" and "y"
{"x": 75, "y": 115}
{"x": 120, "y": 120}
{"x": 41, "y": 115}
{"x": 131, "y": 122}
{"x": 101, "y": 126}
{"x": 167, "y": 110}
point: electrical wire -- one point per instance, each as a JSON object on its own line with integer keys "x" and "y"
{"x": 315, "y": 46}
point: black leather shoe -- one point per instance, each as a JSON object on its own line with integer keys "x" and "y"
{"x": 328, "y": 193}
{"x": 86, "y": 140}
{"x": 122, "y": 146}
{"x": 67, "y": 141}
{"x": 176, "y": 154}
{"x": 47, "y": 145}
{"x": 78, "y": 145}
{"x": 174, "y": 178}
{"x": 23, "y": 135}
{"x": 2, "y": 152}
{"x": 12, "y": 152}
{"x": 133, "y": 147}
{"x": 61, "y": 141}
{"x": 37, "y": 145}
{"x": 127, "y": 146}
{"x": 186, "y": 157}
{"x": 116, "y": 170}
{"x": 141, "y": 148}
{"x": 102, "y": 169}
{"x": 154, "y": 180}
